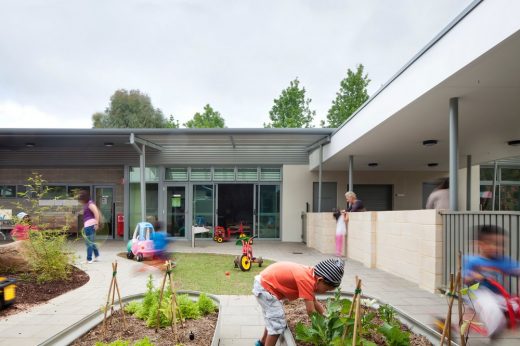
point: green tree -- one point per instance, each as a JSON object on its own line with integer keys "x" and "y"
{"x": 129, "y": 109}
{"x": 210, "y": 118}
{"x": 171, "y": 123}
{"x": 291, "y": 109}
{"x": 351, "y": 95}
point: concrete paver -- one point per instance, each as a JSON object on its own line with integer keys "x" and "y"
{"x": 242, "y": 322}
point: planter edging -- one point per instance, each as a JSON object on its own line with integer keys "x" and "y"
{"x": 83, "y": 326}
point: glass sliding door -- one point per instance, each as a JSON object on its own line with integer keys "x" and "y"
{"x": 104, "y": 199}
{"x": 176, "y": 211}
{"x": 268, "y": 211}
{"x": 203, "y": 202}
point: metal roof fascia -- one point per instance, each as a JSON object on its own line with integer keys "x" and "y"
{"x": 416, "y": 57}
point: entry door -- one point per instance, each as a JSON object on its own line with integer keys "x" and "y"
{"x": 104, "y": 199}
{"x": 176, "y": 211}
{"x": 268, "y": 211}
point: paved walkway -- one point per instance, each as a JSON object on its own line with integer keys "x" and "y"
{"x": 241, "y": 317}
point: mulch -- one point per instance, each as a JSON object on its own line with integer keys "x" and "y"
{"x": 136, "y": 329}
{"x": 29, "y": 293}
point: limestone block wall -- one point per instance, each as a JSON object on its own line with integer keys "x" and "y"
{"x": 321, "y": 232}
{"x": 407, "y": 244}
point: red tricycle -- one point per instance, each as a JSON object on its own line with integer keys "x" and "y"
{"x": 221, "y": 234}
{"x": 244, "y": 261}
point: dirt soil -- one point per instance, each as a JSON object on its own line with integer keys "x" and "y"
{"x": 203, "y": 330}
{"x": 295, "y": 312}
{"x": 29, "y": 293}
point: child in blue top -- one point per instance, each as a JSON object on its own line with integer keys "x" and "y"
{"x": 489, "y": 304}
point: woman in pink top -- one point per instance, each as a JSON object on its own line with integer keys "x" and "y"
{"x": 91, "y": 221}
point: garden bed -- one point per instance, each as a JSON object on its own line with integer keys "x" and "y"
{"x": 29, "y": 293}
{"x": 203, "y": 330}
{"x": 295, "y": 312}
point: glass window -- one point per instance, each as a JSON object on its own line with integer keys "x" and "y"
{"x": 270, "y": 174}
{"x": 224, "y": 174}
{"x": 486, "y": 197}
{"x": 268, "y": 211}
{"x": 247, "y": 174}
{"x": 152, "y": 207}
{"x": 73, "y": 190}
{"x": 486, "y": 173}
{"x": 176, "y": 174}
{"x": 56, "y": 192}
{"x": 510, "y": 174}
{"x": 176, "y": 211}
{"x": 150, "y": 174}
{"x": 329, "y": 196}
{"x": 8, "y": 191}
{"x": 203, "y": 208}
{"x": 200, "y": 174}
{"x": 509, "y": 197}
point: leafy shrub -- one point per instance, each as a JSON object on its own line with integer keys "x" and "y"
{"x": 387, "y": 313}
{"x": 47, "y": 255}
{"x": 148, "y": 300}
{"x": 114, "y": 343}
{"x": 394, "y": 335}
{"x": 206, "y": 305}
{"x": 132, "y": 307}
{"x": 189, "y": 309}
{"x": 144, "y": 342}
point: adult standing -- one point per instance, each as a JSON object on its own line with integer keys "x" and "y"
{"x": 91, "y": 221}
{"x": 353, "y": 203}
{"x": 440, "y": 197}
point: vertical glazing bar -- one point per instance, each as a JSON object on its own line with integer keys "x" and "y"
{"x": 350, "y": 173}
{"x": 142, "y": 162}
{"x": 320, "y": 178}
{"x": 468, "y": 183}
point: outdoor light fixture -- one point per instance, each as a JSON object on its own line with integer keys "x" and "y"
{"x": 109, "y": 144}
{"x": 429, "y": 142}
{"x": 433, "y": 164}
{"x": 29, "y": 145}
{"x": 372, "y": 164}
{"x": 514, "y": 143}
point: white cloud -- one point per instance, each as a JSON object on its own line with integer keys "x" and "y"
{"x": 14, "y": 115}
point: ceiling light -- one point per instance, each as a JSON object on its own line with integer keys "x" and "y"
{"x": 433, "y": 164}
{"x": 514, "y": 143}
{"x": 373, "y": 164}
{"x": 29, "y": 145}
{"x": 109, "y": 144}
{"x": 429, "y": 142}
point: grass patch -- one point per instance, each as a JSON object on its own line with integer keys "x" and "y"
{"x": 207, "y": 273}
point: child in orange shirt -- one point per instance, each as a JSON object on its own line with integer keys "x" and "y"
{"x": 287, "y": 280}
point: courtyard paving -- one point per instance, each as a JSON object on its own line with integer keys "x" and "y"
{"x": 242, "y": 322}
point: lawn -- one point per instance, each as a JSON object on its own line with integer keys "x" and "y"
{"x": 207, "y": 273}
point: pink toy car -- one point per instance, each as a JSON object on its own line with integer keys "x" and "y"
{"x": 142, "y": 243}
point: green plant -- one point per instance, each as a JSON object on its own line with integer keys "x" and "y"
{"x": 149, "y": 297}
{"x": 189, "y": 309}
{"x": 206, "y": 305}
{"x": 132, "y": 307}
{"x": 47, "y": 256}
{"x": 144, "y": 342}
{"x": 114, "y": 343}
{"x": 394, "y": 335}
{"x": 387, "y": 313}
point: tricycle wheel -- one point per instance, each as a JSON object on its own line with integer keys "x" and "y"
{"x": 140, "y": 257}
{"x": 215, "y": 238}
{"x": 219, "y": 240}
{"x": 245, "y": 263}
{"x": 129, "y": 255}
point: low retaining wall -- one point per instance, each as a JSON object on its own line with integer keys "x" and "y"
{"x": 407, "y": 244}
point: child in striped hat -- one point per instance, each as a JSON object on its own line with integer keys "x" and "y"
{"x": 291, "y": 281}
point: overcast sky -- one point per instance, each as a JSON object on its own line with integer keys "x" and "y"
{"x": 61, "y": 60}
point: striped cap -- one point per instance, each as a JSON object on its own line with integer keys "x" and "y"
{"x": 331, "y": 270}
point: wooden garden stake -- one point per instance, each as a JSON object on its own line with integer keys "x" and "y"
{"x": 174, "y": 305}
{"x": 461, "y": 316}
{"x": 355, "y": 298}
{"x": 357, "y": 316}
{"x": 446, "y": 332}
{"x": 112, "y": 292}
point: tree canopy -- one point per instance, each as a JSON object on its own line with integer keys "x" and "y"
{"x": 209, "y": 118}
{"x": 129, "y": 109}
{"x": 351, "y": 95}
{"x": 291, "y": 109}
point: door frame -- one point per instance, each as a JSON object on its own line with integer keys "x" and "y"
{"x": 256, "y": 215}
{"x": 187, "y": 209}
{"x": 112, "y": 208}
